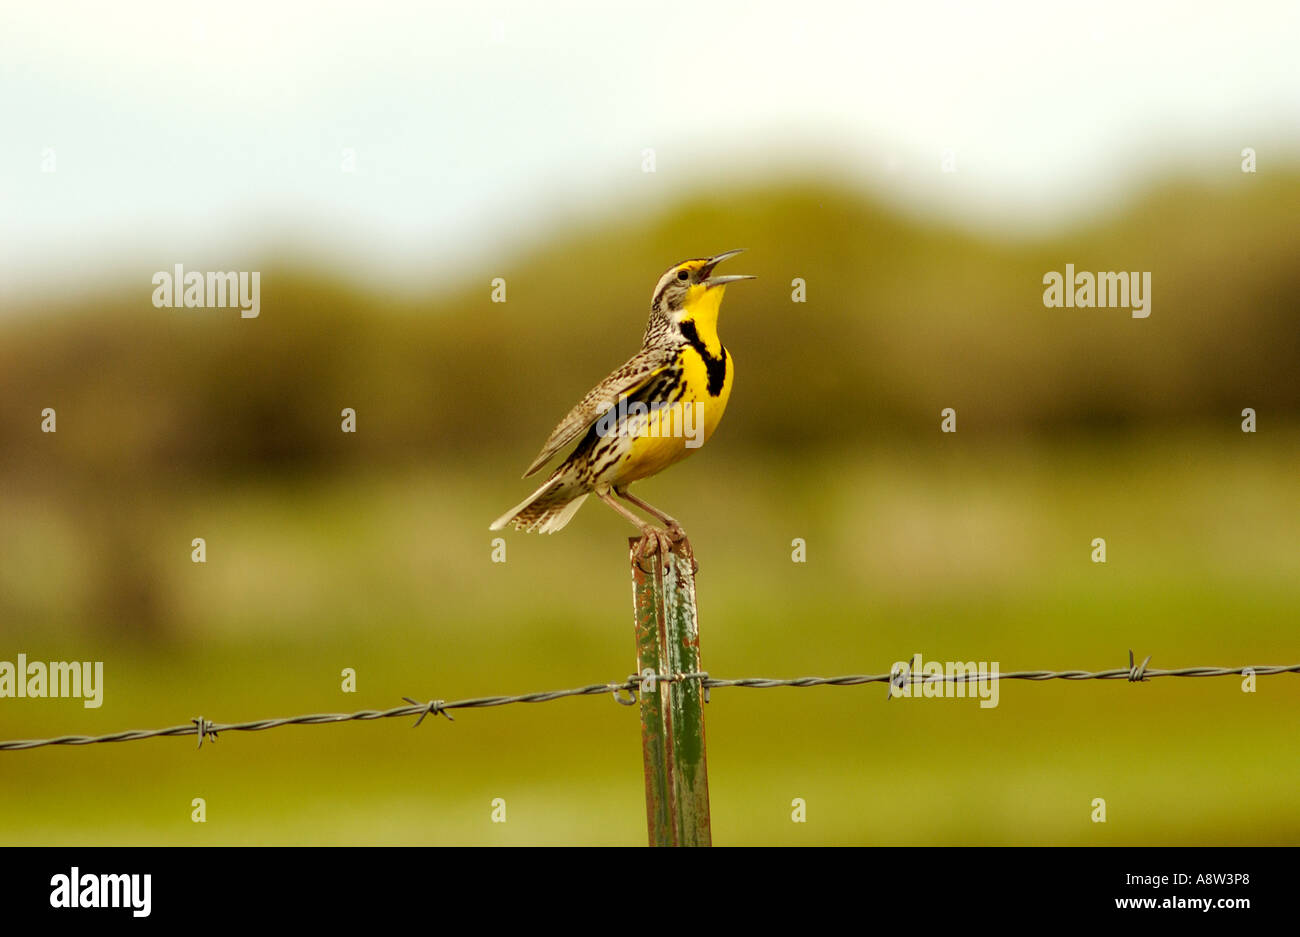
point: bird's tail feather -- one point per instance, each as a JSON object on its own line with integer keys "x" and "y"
{"x": 546, "y": 510}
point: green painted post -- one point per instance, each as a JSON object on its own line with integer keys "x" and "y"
{"x": 672, "y": 712}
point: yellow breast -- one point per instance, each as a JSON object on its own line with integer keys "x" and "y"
{"x": 673, "y": 432}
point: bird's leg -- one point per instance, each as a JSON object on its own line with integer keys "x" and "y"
{"x": 651, "y": 537}
{"x": 675, "y": 531}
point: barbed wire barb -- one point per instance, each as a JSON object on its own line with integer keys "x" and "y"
{"x": 204, "y": 730}
{"x": 435, "y": 707}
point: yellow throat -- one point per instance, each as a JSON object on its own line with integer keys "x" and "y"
{"x": 701, "y": 307}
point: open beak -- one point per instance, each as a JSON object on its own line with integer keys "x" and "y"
{"x": 711, "y": 281}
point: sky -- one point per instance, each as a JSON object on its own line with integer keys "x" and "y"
{"x": 212, "y": 131}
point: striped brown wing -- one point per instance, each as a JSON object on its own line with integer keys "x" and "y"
{"x": 634, "y": 374}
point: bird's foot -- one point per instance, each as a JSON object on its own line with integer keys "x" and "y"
{"x": 677, "y": 534}
{"x": 655, "y": 538}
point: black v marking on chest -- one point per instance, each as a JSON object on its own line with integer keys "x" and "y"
{"x": 716, "y": 368}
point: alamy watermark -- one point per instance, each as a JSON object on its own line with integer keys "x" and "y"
{"x": 37, "y": 679}
{"x": 635, "y": 418}
{"x": 934, "y": 679}
{"x": 1123, "y": 290}
{"x": 79, "y": 890}
{"x": 213, "y": 290}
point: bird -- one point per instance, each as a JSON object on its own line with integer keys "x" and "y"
{"x": 660, "y": 406}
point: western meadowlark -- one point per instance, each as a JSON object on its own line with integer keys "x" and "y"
{"x": 656, "y": 409}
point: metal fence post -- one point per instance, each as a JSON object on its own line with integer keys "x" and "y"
{"x": 672, "y": 711}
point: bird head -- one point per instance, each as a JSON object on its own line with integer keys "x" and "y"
{"x": 690, "y": 287}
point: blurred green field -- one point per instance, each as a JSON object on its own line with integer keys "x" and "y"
{"x": 371, "y": 551}
{"x": 952, "y": 547}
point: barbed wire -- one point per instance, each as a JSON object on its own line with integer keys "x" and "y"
{"x": 647, "y": 681}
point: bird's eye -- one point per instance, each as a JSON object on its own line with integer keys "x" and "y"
{"x": 683, "y": 275}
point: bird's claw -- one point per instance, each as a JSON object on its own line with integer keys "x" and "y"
{"x": 665, "y": 543}
{"x": 646, "y": 545}
{"x": 653, "y": 538}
